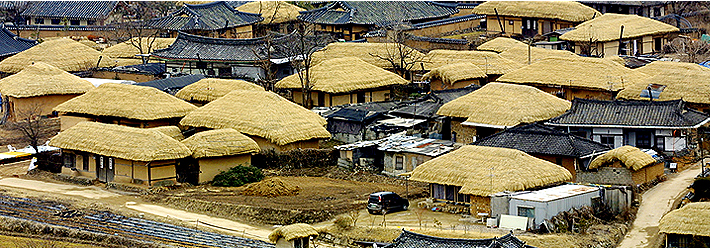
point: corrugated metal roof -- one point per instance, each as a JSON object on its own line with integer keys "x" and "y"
{"x": 555, "y": 193}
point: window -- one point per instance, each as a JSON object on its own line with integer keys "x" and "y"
{"x": 69, "y": 160}
{"x": 398, "y": 162}
{"x": 607, "y": 140}
{"x": 300, "y": 243}
{"x": 643, "y": 139}
{"x": 39, "y": 21}
{"x": 85, "y": 162}
{"x": 438, "y": 191}
{"x": 657, "y": 44}
{"x": 201, "y": 65}
{"x": 660, "y": 142}
{"x": 55, "y": 21}
{"x": 75, "y": 22}
{"x": 90, "y": 22}
{"x": 526, "y": 211}
{"x": 656, "y": 11}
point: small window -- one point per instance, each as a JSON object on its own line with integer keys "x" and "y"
{"x": 526, "y": 211}
{"x": 607, "y": 140}
{"x": 398, "y": 162}
{"x": 69, "y": 160}
{"x": 56, "y": 21}
{"x": 74, "y": 22}
{"x": 201, "y": 65}
{"x": 85, "y": 162}
{"x": 91, "y": 22}
{"x": 39, "y": 21}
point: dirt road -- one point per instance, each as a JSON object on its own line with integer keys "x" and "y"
{"x": 654, "y": 204}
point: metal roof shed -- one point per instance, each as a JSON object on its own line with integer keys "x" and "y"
{"x": 546, "y": 203}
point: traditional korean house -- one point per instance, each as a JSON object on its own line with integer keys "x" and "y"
{"x": 128, "y": 105}
{"x": 533, "y": 18}
{"x": 139, "y": 73}
{"x": 496, "y": 107}
{"x": 576, "y": 77}
{"x": 269, "y": 119}
{"x": 279, "y": 16}
{"x": 37, "y": 89}
{"x": 455, "y": 76}
{"x": 351, "y": 123}
{"x": 127, "y": 52}
{"x": 344, "y": 81}
{"x": 491, "y": 63}
{"x": 209, "y": 89}
{"x": 70, "y": 13}
{"x": 349, "y": 20}
{"x": 564, "y": 149}
{"x": 617, "y": 34}
{"x": 640, "y": 8}
{"x": 11, "y": 44}
{"x": 293, "y": 236}
{"x": 172, "y": 85}
{"x": 216, "y": 151}
{"x": 686, "y": 227}
{"x": 216, "y": 20}
{"x": 115, "y": 153}
{"x": 65, "y": 54}
{"x": 372, "y": 53}
{"x": 500, "y": 44}
{"x": 665, "y": 125}
{"x": 470, "y": 174}
{"x": 626, "y": 165}
{"x": 408, "y": 239}
{"x": 441, "y": 27}
{"x": 528, "y": 55}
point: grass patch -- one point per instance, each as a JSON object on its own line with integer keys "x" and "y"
{"x": 21, "y": 242}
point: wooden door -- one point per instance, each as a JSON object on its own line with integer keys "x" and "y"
{"x": 105, "y": 168}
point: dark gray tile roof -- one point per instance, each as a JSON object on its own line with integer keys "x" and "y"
{"x": 172, "y": 83}
{"x": 445, "y": 21}
{"x": 147, "y": 69}
{"x": 445, "y": 96}
{"x": 194, "y": 47}
{"x": 11, "y": 44}
{"x": 377, "y": 12}
{"x": 438, "y": 40}
{"x": 427, "y": 106}
{"x": 70, "y": 9}
{"x": 640, "y": 114}
{"x": 61, "y": 28}
{"x": 414, "y": 240}
{"x": 538, "y": 139}
{"x": 362, "y": 112}
{"x": 209, "y": 16}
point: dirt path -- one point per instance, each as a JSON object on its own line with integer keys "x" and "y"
{"x": 654, "y": 204}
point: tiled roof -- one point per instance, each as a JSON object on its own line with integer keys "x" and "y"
{"x": 61, "y": 28}
{"x": 11, "y": 44}
{"x": 171, "y": 83}
{"x": 414, "y": 240}
{"x": 445, "y": 96}
{"x": 427, "y": 106}
{"x": 377, "y": 12}
{"x": 147, "y": 69}
{"x": 537, "y": 139}
{"x": 210, "y": 16}
{"x": 83, "y": 10}
{"x": 447, "y": 21}
{"x": 438, "y": 40}
{"x": 620, "y": 114}
{"x": 194, "y": 47}
{"x": 362, "y": 112}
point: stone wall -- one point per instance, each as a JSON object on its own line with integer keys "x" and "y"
{"x": 606, "y": 175}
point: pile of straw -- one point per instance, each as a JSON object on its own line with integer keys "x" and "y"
{"x": 220, "y": 142}
{"x": 670, "y": 68}
{"x": 292, "y": 232}
{"x": 271, "y": 187}
{"x": 616, "y": 59}
{"x": 209, "y": 89}
{"x": 560, "y": 10}
{"x": 520, "y": 54}
{"x": 130, "y": 143}
{"x": 342, "y": 75}
{"x": 449, "y": 74}
{"x": 65, "y": 54}
{"x": 691, "y": 86}
{"x": 491, "y": 63}
{"x": 43, "y": 79}
{"x": 608, "y": 27}
{"x": 505, "y": 105}
{"x": 127, "y": 101}
{"x": 577, "y": 72}
{"x": 500, "y": 44}
{"x": 692, "y": 219}
{"x": 629, "y": 156}
{"x": 127, "y": 50}
{"x": 368, "y": 52}
{"x": 260, "y": 113}
{"x": 273, "y": 11}
{"x": 482, "y": 170}
{"x": 171, "y": 131}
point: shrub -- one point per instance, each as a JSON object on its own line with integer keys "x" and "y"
{"x": 343, "y": 222}
{"x": 238, "y": 176}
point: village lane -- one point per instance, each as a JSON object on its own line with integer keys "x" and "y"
{"x": 655, "y": 203}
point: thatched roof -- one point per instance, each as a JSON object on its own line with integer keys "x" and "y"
{"x": 608, "y": 27}
{"x": 579, "y": 72}
{"x": 520, "y": 54}
{"x": 505, "y": 105}
{"x": 690, "y": 219}
{"x": 670, "y": 67}
{"x": 561, "y": 10}
{"x": 43, "y": 79}
{"x": 220, "y": 142}
{"x": 629, "y": 156}
{"x": 690, "y": 85}
{"x": 616, "y": 59}
{"x": 209, "y": 89}
{"x": 127, "y": 101}
{"x": 452, "y": 73}
{"x": 491, "y": 63}
{"x": 342, "y": 75}
{"x": 128, "y": 50}
{"x": 500, "y": 44}
{"x": 130, "y": 143}
{"x": 363, "y": 51}
{"x": 124, "y": 62}
{"x": 483, "y": 170}
{"x": 272, "y": 11}
{"x": 260, "y": 113}
{"x": 65, "y": 54}
{"x": 292, "y": 232}
{"x": 171, "y": 131}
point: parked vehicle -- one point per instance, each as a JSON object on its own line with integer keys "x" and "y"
{"x": 386, "y": 201}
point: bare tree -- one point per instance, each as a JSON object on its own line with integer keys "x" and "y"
{"x": 264, "y": 56}
{"x": 136, "y": 26}
{"x": 690, "y": 50}
{"x": 28, "y": 121}
{"x": 402, "y": 58}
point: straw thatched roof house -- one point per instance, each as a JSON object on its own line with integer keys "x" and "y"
{"x": 215, "y": 19}
{"x": 37, "y": 89}
{"x": 533, "y": 18}
{"x": 128, "y": 49}
{"x": 293, "y": 236}
{"x": 689, "y": 83}
{"x": 687, "y": 227}
{"x": 216, "y": 151}
{"x": 671, "y": 67}
{"x": 526, "y": 56}
{"x": 408, "y": 239}
{"x": 455, "y": 76}
{"x": 500, "y": 44}
{"x": 498, "y": 106}
{"x": 472, "y": 173}
{"x": 279, "y": 16}
{"x": 11, "y": 44}
{"x": 349, "y": 20}
{"x": 344, "y": 81}
{"x": 626, "y": 165}
{"x": 643, "y": 124}
{"x": 114, "y": 153}
{"x": 365, "y": 52}
{"x": 123, "y": 104}
{"x": 635, "y": 34}
{"x": 574, "y": 76}
{"x": 65, "y": 54}
{"x": 491, "y": 63}
{"x": 272, "y": 121}
{"x": 209, "y": 89}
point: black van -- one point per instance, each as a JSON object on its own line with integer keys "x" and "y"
{"x": 386, "y": 201}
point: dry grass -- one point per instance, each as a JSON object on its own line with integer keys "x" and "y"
{"x": 520, "y": 54}
{"x": 292, "y": 232}
{"x": 171, "y": 131}
{"x": 491, "y": 63}
{"x": 272, "y": 11}
{"x": 449, "y": 74}
{"x": 561, "y": 10}
{"x": 127, "y": 50}
{"x": 209, "y": 89}
{"x": 629, "y": 156}
{"x": 690, "y": 219}
{"x": 368, "y": 52}
{"x": 670, "y": 67}
{"x": 500, "y": 44}
{"x": 65, "y": 54}
{"x": 42, "y": 79}
{"x": 220, "y": 142}
{"x": 690, "y": 85}
{"x": 608, "y": 27}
